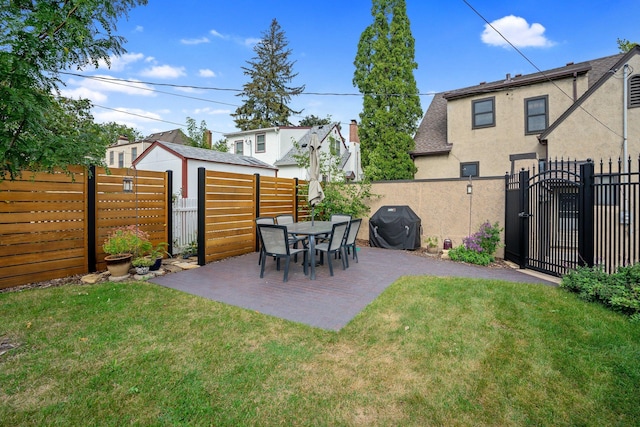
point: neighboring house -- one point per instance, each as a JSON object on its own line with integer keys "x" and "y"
{"x": 572, "y": 112}
{"x": 277, "y": 146}
{"x": 184, "y": 161}
{"x": 122, "y": 153}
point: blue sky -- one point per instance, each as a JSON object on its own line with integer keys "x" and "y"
{"x": 200, "y": 47}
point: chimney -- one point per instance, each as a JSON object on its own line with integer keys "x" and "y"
{"x": 208, "y": 139}
{"x": 353, "y": 131}
{"x": 122, "y": 140}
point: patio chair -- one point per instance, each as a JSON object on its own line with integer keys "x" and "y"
{"x": 350, "y": 240}
{"x": 263, "y": 220}
{"x": 276, "y": 244}
{"x": 340, "y": 217}
{"x": 334, "y": 246}
{"x": 293, "y": 239}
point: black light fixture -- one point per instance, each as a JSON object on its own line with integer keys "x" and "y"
{"x": 469, "y": 186}
{"x": 127, "y": 184}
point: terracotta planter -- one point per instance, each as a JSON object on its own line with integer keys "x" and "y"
{"x": 432, "y": 249}
{"x": 118, "y": 265}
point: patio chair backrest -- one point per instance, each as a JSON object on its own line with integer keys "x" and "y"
{"x": 274, "y": 238}
{"x": 340, "y": 217}
{"x": 265, "y": 220}
{"x": 339, "y": 230}
{"x": 354, "y": 226}
{"x": 285, "y": 219}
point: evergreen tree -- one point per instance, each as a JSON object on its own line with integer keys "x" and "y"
{"x": 312, "y": 120}
{"x": 267, "y": 94}
{"x": 391, "y": 106}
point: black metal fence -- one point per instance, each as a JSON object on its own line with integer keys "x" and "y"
{"x": 570, "y": 213}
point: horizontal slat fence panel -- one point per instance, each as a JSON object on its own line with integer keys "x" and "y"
{"x": 146, "y": 207}
{"x": 229, "y": 214}
{"x": 43, "y": 227}
{"x": 277, "y": 196}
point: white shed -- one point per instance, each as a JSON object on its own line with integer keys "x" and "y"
{"x": 185, "y": 160}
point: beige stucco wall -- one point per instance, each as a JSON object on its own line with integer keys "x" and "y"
{"x": 444, "y": 207}
{"x": 595, "y": 130}
{"x": 492, "y": 146}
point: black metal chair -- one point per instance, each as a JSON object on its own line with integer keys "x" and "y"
{"x": 334, "y": 246}
{"x": 350, "y": 240}
{"x": 276, "y": 244}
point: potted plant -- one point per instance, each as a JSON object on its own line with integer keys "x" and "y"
{"x": 432, "y": 245}
{"x": 190, "y": 250}
{"x": 157, "y": 254}
{"x": 142, "y": 264}
{"x": 122, "y": 245}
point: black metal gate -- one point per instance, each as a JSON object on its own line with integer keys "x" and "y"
{"x": 546, "y": 218}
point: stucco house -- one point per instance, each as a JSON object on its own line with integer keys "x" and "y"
{"x": 277, "y": 146}
{"x": 184, "y": 161}
{"x": 578, "y": 111}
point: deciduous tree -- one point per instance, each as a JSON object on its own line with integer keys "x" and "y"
{"x": 38, "y": 39}
{"x": 268, "y": 92}
{"x": 391, "y": 106}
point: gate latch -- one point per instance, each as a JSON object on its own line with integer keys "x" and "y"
{"x": 524, "y": 215}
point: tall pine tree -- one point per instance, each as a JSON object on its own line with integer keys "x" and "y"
{"x": 391, "y": 106}
{"x": 267, "y": 94}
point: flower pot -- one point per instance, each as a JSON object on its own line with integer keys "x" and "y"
{"x": 432, "y": 249}
{"x": 156, "y": 266}
{"x": 141, "y": 271}
{"x": 118, "y": 265}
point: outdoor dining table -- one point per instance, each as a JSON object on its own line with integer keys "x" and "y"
{"x": 311, "y": 229}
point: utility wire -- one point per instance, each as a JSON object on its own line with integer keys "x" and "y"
{"x": 536, "y": 67}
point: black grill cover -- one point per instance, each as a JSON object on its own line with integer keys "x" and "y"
{"x": 395, "y": 227}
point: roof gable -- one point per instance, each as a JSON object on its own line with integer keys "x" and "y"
{"x": 323, "y": 131}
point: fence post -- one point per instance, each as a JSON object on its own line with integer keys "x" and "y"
{"x": 202, "y": 182}
{"x": 585, "y": 215}
{"x": 256, "y": 183}
{"x": 169, "y": 190}
{"x": 524, "y": 220}
{"x": 91, "y": 220}
{"x": 295, "y": 197}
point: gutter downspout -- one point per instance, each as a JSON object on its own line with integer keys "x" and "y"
{"x": 625, "y": 101}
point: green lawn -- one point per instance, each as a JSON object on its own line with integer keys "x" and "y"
{"x": 428, "y": 351}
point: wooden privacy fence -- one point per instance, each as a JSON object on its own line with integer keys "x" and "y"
{"x": 228, "y": 204}
{"x": 53, "y": 225}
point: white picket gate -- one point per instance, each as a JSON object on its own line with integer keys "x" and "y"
{"x": 185, "y": 223}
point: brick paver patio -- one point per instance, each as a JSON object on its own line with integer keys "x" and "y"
{"x": 327, "y": 302}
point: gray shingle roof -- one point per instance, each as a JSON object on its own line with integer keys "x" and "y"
{"x": 175, "y": 136}
{"x": 196, "y": 153}
{"x": 431, "y": 136}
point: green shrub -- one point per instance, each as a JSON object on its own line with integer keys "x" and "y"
{"x": 462, "y": 254}
{"x": 619, "y": 291}
{"x": 479, "y": 247}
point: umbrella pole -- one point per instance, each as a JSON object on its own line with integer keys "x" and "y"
{"x": 312, "y": 213}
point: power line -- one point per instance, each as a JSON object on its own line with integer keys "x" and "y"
{"x": 536, "y": 67}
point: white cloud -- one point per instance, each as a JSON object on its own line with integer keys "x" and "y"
{"x": 195, "y": 41}
{"x": 164, "y": 72}
{"x": 206, "y": 73}
{"x": 119, "y": 63}
{"x": 217, "y": 34}
{"x": 84, "y": 93}
{"x": 251, "y": 41}
{"x": 109, "y": 84}
{"x": 517, "y": 30}
{"x": 210, "y": 111}
{"x": 139, "y": 29}
{"x": 127, "y": 116}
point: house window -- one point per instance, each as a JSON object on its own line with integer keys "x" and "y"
{"x": 568, "y": 211}
{"x": 634, "y": 91}
{"x": 335, "y": 146}
{"x": 260, "y": 143}
{"x": 111, "y": 157}
{"x": 469, "y": 169}
{"x": 134, "y": 153}
{"x": 484, "y": 114}
{"x": 121, "y": 159}
{"x": 536, "y": 114}
{"x": 606, "y": 190}
{"x": 239, "y": 147}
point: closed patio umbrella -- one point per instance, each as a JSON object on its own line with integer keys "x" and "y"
{"x": 316, "y": 195}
